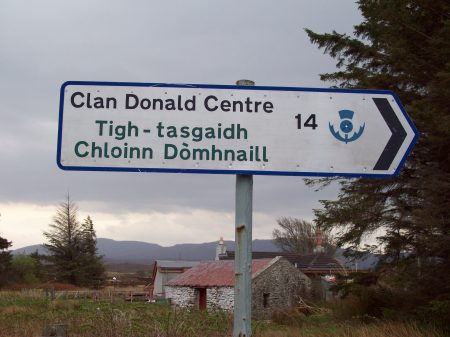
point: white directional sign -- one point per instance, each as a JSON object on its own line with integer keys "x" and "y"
{"x": 231, "y": 129}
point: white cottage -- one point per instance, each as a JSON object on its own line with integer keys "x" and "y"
{"x": 276, "y": 284}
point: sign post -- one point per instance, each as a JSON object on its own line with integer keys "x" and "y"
{"x": 243, "y": 251}
{"x": 242, "y": 130}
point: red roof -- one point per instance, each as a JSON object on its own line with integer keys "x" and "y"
{"x": 214, "y": 274}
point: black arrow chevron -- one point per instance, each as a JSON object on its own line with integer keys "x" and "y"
{"x": 397, "y": 138}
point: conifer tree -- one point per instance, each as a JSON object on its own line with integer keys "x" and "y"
{"x": 72, "y": 246}
{"x": 89, "y": 238}
{"x": 401, "y": 45}
{"x": 93, "y": 268}
{"x": 63, "y": 240}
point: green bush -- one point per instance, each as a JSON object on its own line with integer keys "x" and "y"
{"x": 436, "y": 313}
{"x": 374, "y": 302}
{"x": 24, "y": 269}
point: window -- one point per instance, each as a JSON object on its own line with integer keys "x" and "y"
{"x": 266, "y": 300}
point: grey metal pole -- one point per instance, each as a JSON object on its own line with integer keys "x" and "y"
{"x": 243, "y": 251}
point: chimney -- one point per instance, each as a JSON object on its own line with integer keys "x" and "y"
{"x": 318, "y": 248}
{"x": 221, "y": 249}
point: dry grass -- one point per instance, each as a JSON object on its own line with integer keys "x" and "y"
{"x": 385, "y": 329}
{"x": 26, "y": 317}
{"x": 13, "y": 310}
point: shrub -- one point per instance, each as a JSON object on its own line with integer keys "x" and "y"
{"x": 290, "y": 317}
{"x": 348, "y": 308}
{"x": 436, "y": 313}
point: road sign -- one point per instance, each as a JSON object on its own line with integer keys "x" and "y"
{"x": 194, "y": 128}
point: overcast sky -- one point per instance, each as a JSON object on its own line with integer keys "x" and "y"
{"x": 45, "y": 43}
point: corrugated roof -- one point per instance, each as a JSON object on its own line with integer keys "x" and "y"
{"x": 214, "y": 274}
{"x": 176, "y": 264}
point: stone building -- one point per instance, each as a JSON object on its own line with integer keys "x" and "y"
{"x": 276, "y": 285}
{"x": 316, "y": 264}
{"x": 319, "y": 266}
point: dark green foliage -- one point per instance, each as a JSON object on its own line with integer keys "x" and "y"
{"x": 63, "y": 243}
{"x": 346, "y": 284}
{"x": 92, "y": 265}
{"x": 5, "y": 261}
{"x": 24, "y": 269}
{"x": 404, "y": 46}
{"x": 40, "y": 270}
{"x": 436, "y": 313}
{"x": 73, "y": 254}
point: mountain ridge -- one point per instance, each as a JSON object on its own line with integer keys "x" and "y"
{"x": 140, "y": 252}
{"x": 115, "y": 251}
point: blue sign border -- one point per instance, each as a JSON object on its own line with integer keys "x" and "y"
{"x": 234, "y": 87}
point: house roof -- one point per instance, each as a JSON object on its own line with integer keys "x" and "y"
{"x": 176, "y": 264}
{"x": 317, "y": 262}
{"x": 216, "y": 274}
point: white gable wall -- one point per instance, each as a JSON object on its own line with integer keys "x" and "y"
{"x": 183, "y": 297}
{"x": 220, "y": 298}
{"x": 217, "y": 298}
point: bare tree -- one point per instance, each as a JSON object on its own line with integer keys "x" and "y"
{"x": 299, "y": 236}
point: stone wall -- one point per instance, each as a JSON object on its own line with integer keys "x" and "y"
{"x": 217, "y": 298}
{"x": 221, "y": 298}
{"x": 183, "y": 297}
{"x": 278, "y": 287}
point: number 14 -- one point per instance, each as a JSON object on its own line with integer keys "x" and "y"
{"x": 309, "y": 123}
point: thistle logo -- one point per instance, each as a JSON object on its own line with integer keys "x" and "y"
{"x": 346, "y": 126}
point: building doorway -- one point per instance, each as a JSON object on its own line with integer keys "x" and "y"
{"x": 201, "y": 298}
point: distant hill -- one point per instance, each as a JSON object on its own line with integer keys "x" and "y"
{"x": 138, "y": 252}
{"x": 144, "y": 252}
{"x": 30, "y": 249}
{"x": 367, "y": 261}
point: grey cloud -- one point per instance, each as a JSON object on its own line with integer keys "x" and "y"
{"x": 45, "y": 43}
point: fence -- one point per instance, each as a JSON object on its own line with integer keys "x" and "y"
{"x": 99, "y": 295}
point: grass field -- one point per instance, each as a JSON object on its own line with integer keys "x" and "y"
{"x": 25, "y": 315}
